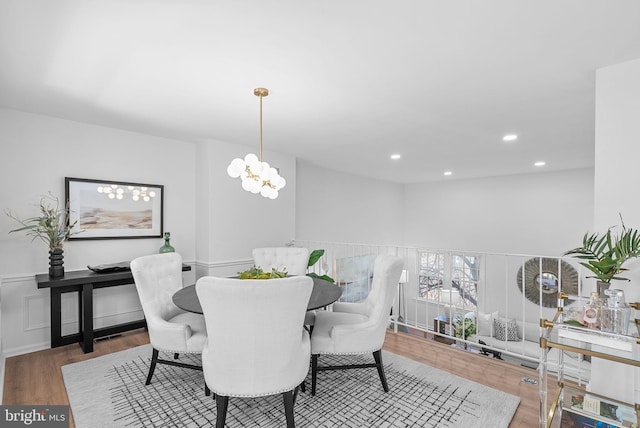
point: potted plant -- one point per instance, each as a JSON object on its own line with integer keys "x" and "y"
{"x": 51, "y": 226}
{"x": 605, "y": 254}
{"x": 464, "y": 327}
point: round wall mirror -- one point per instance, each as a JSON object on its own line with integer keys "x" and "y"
{"x": 546, "y": 276}
{"x": 548, "y": 282}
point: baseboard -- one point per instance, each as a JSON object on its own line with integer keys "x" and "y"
{"x": 25, "y": 350}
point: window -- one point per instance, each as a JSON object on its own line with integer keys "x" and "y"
{"x": 465, "y": 273}
{"x": 431, "y": 276}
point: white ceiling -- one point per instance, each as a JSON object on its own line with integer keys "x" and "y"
{"x": 351, "y": 82}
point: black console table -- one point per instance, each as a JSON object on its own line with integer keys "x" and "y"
{"x": 84, "y": 282}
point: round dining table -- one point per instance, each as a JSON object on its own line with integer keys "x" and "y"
{"x": 324, "y": 293}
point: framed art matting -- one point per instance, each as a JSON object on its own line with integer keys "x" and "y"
{"x": 114, "y": 209}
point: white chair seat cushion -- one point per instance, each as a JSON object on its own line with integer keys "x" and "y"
{"x": 194, "y": 343}
{"x": 330, "y": 326}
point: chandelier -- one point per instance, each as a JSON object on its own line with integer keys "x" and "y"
{"x": 257, "y": 176}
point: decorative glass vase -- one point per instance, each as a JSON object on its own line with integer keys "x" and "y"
{"x": 56, "y": 262}
{"x": 616, "y": 314}
{"x": 167, "y": 248}
{"x": 602, "y": 287}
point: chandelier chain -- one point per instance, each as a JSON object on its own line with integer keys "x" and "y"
{"x": 260, "y": 92}
{"x": 260, "y": 128}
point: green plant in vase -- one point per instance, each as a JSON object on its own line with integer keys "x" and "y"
{"x": 464, "y": 327}
{"x": 605, "y": 254}
{"x": 52, "y": 226}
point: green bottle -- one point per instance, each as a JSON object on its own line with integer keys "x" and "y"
{"x": 167, "y": 248}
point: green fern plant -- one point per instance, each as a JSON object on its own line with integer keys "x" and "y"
{"x": 605, "y": 254}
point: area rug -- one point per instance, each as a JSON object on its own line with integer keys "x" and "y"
{"x": 109, "y": 391}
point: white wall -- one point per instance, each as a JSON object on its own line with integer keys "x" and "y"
{"x": 616, "y": 192}
{"x": 339, "y": 207}
{"x": 236, "y": 221}
{"x": 618, "y": 154}
{"x": 543, "y": 213}
{"x": 535, "y": 214}
{"x": 37, "y": 153}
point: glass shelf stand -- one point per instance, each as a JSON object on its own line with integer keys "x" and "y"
{"x": 563, "y": 408}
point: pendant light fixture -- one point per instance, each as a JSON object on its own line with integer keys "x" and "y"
{"x": 257, "y": 176}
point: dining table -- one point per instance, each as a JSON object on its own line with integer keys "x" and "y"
{"x": 323, "y": 294}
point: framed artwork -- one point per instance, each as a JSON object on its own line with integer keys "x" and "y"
{"x": 114, "y": 209}
{"x": 354, "y": 275}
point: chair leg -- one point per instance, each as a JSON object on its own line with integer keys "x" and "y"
{"x": 377, "y": 355}
{"x": 289, "y": 399}
{"x": 207, "y": 391}
{"x": 295, "y": 394}
{"x": 314, "y": 373}
{"x": 221, "y": 405}
{"x": 303, "y": 386}
{"x": 152, "y": 367}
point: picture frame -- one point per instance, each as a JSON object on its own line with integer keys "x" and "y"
{"x": 105, "y": 209}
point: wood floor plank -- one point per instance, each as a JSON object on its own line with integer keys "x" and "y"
{"x": 36, "y": 378}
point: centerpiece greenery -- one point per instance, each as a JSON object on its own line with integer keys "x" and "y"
{"x": 258, "y": 273}
{"x": 605, "y": 254}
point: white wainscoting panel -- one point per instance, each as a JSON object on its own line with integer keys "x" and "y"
{"x": 25, "y": 315}
{"x": 25, "y": 311}
{"x": 36, "y": 312}
{"x": 223, "y": 269}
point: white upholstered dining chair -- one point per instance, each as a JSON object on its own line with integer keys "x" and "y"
{"x": 358, "y": 328}
{"x": 294, "y": 260}
{"x": 171, "y": 330}
{"x": 257, "y": 344}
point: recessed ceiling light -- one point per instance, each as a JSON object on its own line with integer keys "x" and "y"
{"x": 510, "y": 137}
{"x": 395, "y": 156}
{"x": 540, "y": 163}
{"x": 448, "y": 173}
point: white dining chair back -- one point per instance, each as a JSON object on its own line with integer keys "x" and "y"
{"x": 256, "y": 344}
{"x": 294, "y": 260}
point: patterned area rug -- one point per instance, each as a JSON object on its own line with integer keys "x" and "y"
{"x": 109, "y": 391}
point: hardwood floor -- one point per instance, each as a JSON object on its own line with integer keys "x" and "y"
{"x": 36, "y": 378}
{"x": 488, "y": 371}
